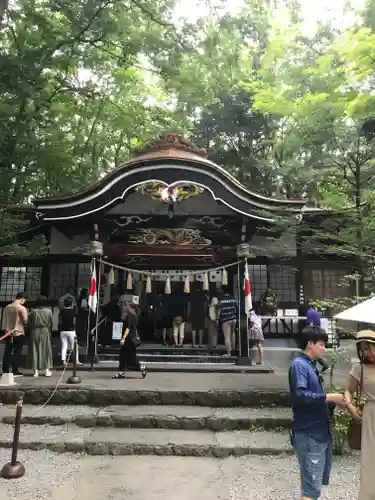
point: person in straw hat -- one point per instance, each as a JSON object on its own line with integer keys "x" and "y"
{"x": 363, "y": 375}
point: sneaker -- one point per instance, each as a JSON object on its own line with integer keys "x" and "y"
{"x": 36, "y": 373}
{"x": 18, "y": 374}
{"x": 48, "y": 373}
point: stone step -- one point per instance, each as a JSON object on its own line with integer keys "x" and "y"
{"x": 175, "y": 358}
{"x": 91, "y": 396}
{"x": 158, "y": 417}
{"x": 226, "y": 365}
{"x": 115, "y": 441}
{"x": 186, "y": 367}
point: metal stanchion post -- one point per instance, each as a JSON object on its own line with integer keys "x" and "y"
{"x": 74, "y": 379}
{"x": 15, "y": 469}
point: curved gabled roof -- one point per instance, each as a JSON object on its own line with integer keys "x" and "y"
{"x": 170, "y": 159}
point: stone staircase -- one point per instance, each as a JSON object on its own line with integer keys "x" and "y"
{"x": 165, "y": 359}
{"x": 151, "y": 430}
{"x": 208, "y": 414}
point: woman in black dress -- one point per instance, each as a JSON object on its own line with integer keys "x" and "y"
{"x": 128, "y": 352}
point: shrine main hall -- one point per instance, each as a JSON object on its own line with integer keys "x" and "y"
{"x": 166, "y": 219}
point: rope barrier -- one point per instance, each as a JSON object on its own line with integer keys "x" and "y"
{"x": 63, "y": 373}
{"x": 8, "y": 334}
{"x": 169, "y": 274}
{"x": 56, "y": 387}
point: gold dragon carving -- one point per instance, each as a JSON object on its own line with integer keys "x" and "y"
{"x": 163, "y": 192}
{"x": 181, "y": 237}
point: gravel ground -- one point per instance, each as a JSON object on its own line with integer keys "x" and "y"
{"x": 74, "y": 477}
{"x": 44, "y": 473}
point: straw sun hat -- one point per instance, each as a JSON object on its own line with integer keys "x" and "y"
{"x": 366, "y": 336}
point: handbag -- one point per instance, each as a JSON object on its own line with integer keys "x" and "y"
{"x": 354, "y": 433}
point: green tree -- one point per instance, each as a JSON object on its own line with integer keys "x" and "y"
{"x": 76, "y": 94}
{"x": 73, "y": 94}
{"x": 219, "y": 115}
{"x": 319, "y": 92}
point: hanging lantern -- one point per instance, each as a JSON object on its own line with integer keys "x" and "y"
{"x": 224, "y": 280}
{"x": 167, "y": 290}
{"x": 187, "y": 285}
{"x": 148, "y": 285}
{"x": 206, "y": 284}
{"x": 111, "y": 277}
{"x": 129, "y": 282}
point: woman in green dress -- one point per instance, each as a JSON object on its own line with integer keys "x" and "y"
{"x": 40, "y": 348}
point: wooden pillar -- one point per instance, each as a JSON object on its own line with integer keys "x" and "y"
{"x": 300, "y": 286}
{"x": 96, "y": 250}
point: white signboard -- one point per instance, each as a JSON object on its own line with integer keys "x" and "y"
{"x": 291, "y": 313}
{"x": 117, "y": 330}
{"x": 324, "y": 325}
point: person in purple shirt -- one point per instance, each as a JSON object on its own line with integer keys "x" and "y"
{"x": 313, "y": 316}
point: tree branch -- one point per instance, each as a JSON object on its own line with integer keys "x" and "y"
{"x": 151, "y": 14}
{"x": 81, "y": 32}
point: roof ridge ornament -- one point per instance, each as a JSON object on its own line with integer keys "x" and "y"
{"x": 172, "y": 140}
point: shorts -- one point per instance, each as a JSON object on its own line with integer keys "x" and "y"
{"x": 315, "y": 461}
{"x": 164, "y": 322}
{"x": 178, "y": 320}
{"x": 198, "y": 322}
{"x": 256, "y": 335}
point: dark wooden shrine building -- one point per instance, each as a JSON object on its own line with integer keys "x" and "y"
{"x": 171, "y": 209}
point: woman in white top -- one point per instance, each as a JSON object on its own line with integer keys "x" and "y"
{"x": 256, "y": 332}
{"x": 212, "y": 322}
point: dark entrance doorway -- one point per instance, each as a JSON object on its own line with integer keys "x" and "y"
{"x": 155, "y": 313}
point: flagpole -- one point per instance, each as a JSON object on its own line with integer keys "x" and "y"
{"x": 90, "y": 312}
{"x": 97, "y": 311}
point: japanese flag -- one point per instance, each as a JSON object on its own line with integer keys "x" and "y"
{"x": 93, "y": 294}
{"x": 248, "y": 300}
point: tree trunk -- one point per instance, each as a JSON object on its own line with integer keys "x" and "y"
{"x": 360, "y": 262}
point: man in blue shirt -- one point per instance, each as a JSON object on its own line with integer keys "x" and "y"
{"x": 312, "y": 412}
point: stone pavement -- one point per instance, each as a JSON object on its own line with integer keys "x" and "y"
{"x": 71, "y": 477}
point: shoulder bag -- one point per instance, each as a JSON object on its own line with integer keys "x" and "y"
{"x": 354, "y": 433}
